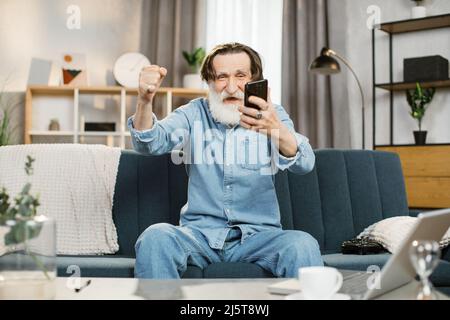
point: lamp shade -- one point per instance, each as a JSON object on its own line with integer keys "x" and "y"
{"x": 325, "y": 64}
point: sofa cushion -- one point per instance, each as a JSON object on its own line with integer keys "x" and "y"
{"x": 178, "y": 186}
{"x": 391, "y": 232}
{"x": 108, "y": 266}
{"x": 114, "y": 266}
{"x": 141, "y": 197}
{"x": 346, "y": 192}
{"x": 193, "y": 272}
{"x": 235, "y": 270}
{"x": 284, "y": 200}
{"x": 353, "y": 261}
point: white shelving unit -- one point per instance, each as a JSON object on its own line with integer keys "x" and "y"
{"x": 78, "y": 134}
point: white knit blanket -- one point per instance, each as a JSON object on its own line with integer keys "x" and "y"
{"x": 75, "y": 184}
{"x": 390, "y": 232}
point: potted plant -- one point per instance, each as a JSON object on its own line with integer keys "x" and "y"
{"x": 418, "y": 11}
{"x": 418, "y": 100}
{"x": 194, "y": 60}
{"x": 27, "y": 246}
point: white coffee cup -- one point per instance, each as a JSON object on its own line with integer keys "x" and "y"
{"x": 319, "y": 283}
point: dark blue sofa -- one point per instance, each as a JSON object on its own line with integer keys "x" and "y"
{"x": 347, "y": 191}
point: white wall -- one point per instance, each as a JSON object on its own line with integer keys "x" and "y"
{"x": 38, "y": 28}
{"x": 349, "y": 17}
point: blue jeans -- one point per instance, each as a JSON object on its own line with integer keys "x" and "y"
{"x": 164, "y": 251}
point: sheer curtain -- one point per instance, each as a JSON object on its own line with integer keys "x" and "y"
{"x": 256, "y": 23}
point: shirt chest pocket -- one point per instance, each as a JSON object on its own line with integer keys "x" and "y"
{"x": 253, "y": 152}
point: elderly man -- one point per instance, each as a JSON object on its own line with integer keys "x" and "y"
{"x": 232, "y": 212}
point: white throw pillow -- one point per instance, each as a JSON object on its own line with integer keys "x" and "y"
{"x": 390, "y": 232}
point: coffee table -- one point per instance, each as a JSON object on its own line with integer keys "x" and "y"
{"x": 190, "y": 289}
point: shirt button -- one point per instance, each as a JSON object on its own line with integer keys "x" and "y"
{"x": 228, "y": 187}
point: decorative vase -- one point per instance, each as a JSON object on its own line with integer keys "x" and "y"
{"x": 418, "y": 12}
{"x": 420, "y": 137}
{"x": 192, "y": 81}
{"x": 54, "y": 125}
{"x": 28, "y": 267}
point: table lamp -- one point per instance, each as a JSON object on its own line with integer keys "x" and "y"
{"x": 327, "y": 65}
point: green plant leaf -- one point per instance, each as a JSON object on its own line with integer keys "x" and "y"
{"x": 419, "y": 91}
{"x": 418, "y": 100}
{"x": 26, "y": 188}
{"x": 199, "y": 55}
{"x": 25, "y": 207}
{"x": 409, "y": 98}
{"x": 188, "y": 58}
{"x": 195, "y": 58}
{"x": 23, "y": 231}
{"x": 4, "y": 206}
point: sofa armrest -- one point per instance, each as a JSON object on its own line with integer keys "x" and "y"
{"x": 414, "y": 212}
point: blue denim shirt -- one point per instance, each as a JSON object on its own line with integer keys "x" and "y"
{"x": 230, "y": 169}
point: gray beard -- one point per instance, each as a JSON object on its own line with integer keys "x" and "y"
{"x": 227, "y": 114}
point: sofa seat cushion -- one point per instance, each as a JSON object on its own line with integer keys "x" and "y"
{"x": 193, "y": 272}
{"x": 123, "y": 266}
{"x": 235, "y": 270}
{"x": 354, "y": 261}
{"x": 114, "y": 266}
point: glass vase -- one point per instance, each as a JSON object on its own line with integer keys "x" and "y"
{"x": 28, "y": 259}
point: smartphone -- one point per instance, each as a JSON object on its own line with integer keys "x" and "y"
{"x": 255, "y": 88}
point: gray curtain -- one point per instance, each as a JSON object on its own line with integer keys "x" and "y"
{"x": 306, "y": 97}
{"x": 169, "y": 27}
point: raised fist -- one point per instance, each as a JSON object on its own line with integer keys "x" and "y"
{"x": 150, "y": 80}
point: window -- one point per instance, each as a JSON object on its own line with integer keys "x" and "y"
{"x": 256, "y": 23}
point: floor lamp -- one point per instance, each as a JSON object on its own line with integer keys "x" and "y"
{"x": 325, "y": 64}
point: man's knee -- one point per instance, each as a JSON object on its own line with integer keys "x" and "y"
{"x": 301, "y": 239}
{"x": 157, "y": 235}
{"x": 302, "y": 245}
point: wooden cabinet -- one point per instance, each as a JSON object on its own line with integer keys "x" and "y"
{"x": 427, "y": 174}
{"x": 73, "y": 132}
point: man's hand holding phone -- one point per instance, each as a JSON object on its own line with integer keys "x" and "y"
{"x": 258, "y": 112}
{"x": 262, "y": 117}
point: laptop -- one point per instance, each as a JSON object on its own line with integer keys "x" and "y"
{"x": 399, "y": 270}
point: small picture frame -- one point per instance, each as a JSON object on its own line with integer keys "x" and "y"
{"x": 73, "y": 68}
